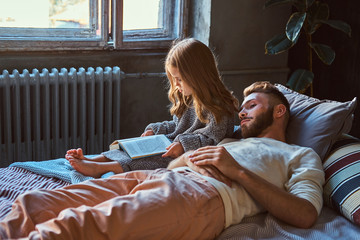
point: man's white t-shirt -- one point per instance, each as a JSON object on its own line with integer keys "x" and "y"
{"x": 297, "y": 170}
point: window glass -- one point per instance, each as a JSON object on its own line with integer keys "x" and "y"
{"x": 69, "y": 13}
{"x": 17, "y": 13}
{"x": 33, "y": 25}
{"x": 142, "y": 14}
{"x": 44, "y": 13}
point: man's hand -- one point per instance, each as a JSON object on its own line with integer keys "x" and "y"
{"x": 217, "y": 157}
{"x": 174, "y": 150}
{"x": 210, "y": 171}
{"x": 207, "y": 170}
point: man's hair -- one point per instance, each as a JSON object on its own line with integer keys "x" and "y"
{"x": 275, "y": 96}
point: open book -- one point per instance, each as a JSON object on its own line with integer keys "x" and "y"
{"x": 140, "y": 147}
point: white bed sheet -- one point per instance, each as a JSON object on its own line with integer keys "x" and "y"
{"x": 330, "y": 225}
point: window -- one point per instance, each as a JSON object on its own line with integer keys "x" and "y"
{"x": 90, "y": 24}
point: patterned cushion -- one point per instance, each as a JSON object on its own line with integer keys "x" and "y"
{"x": 342, "y": 178}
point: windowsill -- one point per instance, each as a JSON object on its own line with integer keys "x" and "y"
{"x": 43, "y": 46}
{"x": 129, "y": 60}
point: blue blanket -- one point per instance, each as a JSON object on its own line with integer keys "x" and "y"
{"x": 59, "y": 168}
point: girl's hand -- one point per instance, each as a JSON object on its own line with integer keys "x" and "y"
{"x": 174, "y": 150}
{"x": 148, "y": 133}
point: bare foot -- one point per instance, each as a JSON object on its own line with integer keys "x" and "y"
{"x": 93, "y": 168}
{"x": 75, "y": 154}
{"x": 85, "y": 167}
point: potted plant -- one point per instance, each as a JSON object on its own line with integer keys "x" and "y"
{"x": 307, "y": 17}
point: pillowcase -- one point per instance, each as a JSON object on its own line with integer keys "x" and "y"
{"x": 316, "y": 123}
{"x": 342, "y": 178}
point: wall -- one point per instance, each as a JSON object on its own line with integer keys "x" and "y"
{"x": 238, "y": 31}
{"x": 145, "y": 101}
{"x": 235, "y": 30}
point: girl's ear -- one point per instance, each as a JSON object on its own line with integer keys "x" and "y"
{"x": 279, "y": 110}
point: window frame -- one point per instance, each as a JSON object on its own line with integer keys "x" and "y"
{"x": 111, "y": 14}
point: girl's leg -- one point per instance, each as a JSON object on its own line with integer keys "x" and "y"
{"x": 148, "y": 163}
{"x": 95, "y": 169}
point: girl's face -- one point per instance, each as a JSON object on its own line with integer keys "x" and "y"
{"x": 182, "y": 86}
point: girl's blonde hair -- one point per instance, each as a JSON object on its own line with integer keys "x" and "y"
{"x": 198, "y": 68}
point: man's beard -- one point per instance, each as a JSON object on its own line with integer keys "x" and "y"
{"x": 260, "y": 123}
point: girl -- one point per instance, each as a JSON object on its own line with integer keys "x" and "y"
{"x": 202, "y": 109}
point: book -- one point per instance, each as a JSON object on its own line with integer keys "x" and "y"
{"x": 140, "y": 147}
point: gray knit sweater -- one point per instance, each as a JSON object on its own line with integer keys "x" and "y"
{"x": 188, "y": 130}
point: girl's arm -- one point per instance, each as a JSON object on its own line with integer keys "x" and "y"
{"x": 148, "y": 132}
{"x": 174, "y": 150}
{"x": 164, "y": 127}
{"x": 211, "y": 134}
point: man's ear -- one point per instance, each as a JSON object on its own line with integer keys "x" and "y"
{"x": 279, "y": 110}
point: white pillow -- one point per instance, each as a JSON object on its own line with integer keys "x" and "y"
{"x": 316, "y": 123}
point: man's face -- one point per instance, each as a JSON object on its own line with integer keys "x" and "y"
{"x": 256, "y": 115}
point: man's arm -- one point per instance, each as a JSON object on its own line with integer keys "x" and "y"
{"x": 283, "y": 205}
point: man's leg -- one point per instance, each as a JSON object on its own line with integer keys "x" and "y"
{"x": 165, "y": 206}
{"x": 38, "y": 206}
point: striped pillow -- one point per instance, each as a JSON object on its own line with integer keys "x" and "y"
{"x": 342, "y": 178}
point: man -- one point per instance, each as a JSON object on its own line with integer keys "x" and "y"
{"x": 241, "y": 178}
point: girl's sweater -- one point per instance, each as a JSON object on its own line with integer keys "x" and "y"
{"x": 188, "y": 130}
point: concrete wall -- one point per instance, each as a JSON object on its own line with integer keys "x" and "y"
{"x": 241, "y": 54}
{"x": 237, "y": 32}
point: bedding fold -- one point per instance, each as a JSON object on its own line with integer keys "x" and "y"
{"x": 59, "y": 168}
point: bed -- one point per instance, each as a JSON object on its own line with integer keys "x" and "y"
{"x": 330, "y": 225}
{"x": 15, "y": 181}
{"x": 320, "y": 124}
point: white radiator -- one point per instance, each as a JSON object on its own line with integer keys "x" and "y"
{"x": 43, "y": 114}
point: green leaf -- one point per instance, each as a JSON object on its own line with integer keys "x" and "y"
{"x": 300, "y": 5}
{"x": 300, "y": 80}
{"x": 294, "y": 25}
{"x": 317, "y": 12}
{"x": 278, "y": 44}
{"x": 309, "y": 3}
{"x": 324, "y": 52}
{"x": 339, "y": 25}
{"x": 271, "y": 3}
